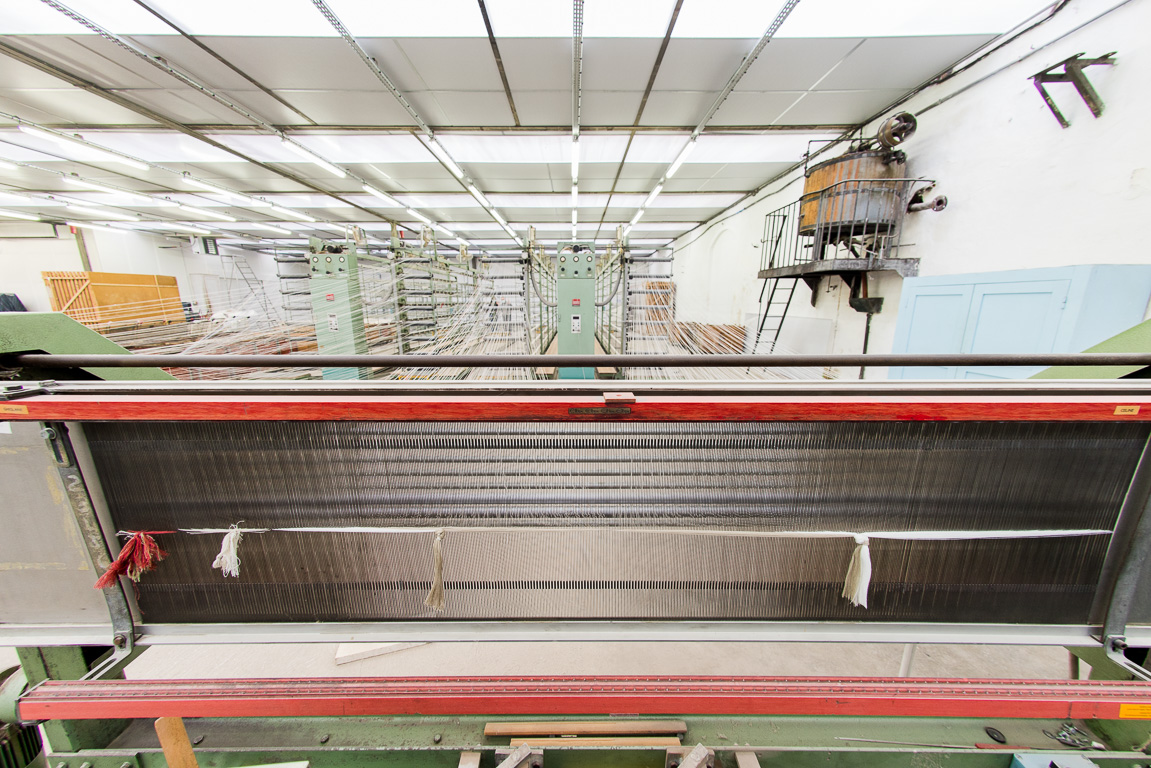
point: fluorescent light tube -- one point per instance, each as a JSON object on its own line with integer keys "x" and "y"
{"x": 268, "y": 227}
{"x": 96, "y": 152}
{"x": 101, "y": 212}
{"x": 86, "y": 225}
{"x": 386, "y": 198}
{"x": 675, "y": 164}
{"x": 575, "y": 161}
{"x": 19, "y": 215}
{"x": 7, "y": 165}
{"x": 291, "y": 213}
{"x": 654, "y": 194}
{"x": 479, "y": 196}
{"x": 574, "y": 218}
{"x": 192, "y": 181}
{"x": 438, "y": 150}
{"x": 575, "y": 196}
{"x": 312, "y": 157}
{"x": 202, "y": 212}
{"x": 635, "y": 218}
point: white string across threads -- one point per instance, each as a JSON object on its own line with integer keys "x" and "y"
{"x": 855, "y": 585}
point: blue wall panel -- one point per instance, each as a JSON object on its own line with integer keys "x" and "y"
{"x": 1059, "y": 309}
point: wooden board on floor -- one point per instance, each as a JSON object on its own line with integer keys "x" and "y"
{"x": 586, "y": 728}
{"x": 599, "y": 741}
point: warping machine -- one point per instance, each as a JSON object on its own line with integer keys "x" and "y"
{"x": 958, "y": 512}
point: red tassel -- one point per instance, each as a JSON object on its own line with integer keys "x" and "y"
{"x": 139, "y": 555}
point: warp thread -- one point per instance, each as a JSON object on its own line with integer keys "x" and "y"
{"x": 228, "y": 561}
{"x": 435, "y": 599}
{"x": 139, "y": 555}
{"x": 858, "y": 573}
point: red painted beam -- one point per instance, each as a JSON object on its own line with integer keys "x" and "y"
{"x": 899, "y": 697}
{"x": 144, "y": 407}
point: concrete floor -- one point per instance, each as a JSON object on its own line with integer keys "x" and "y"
{"x": 558, "y": 658}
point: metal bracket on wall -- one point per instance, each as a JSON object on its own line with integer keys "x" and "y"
{"x": 1073, "y": 73}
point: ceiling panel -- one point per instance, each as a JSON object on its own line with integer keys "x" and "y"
{"x": 186, "y": 55}
{"x": 301, "y": 63}
{"x": 700, "y": 65}
{"x": 328, "y": 107}
{"x": 617, "y": 64}
{"x": 97, "y": 60}
{"x": 609, "y": 107}
{"x": 65, "y": 105}
{"x": 537, "y": 65}
{"x": 462, "y": 107}
{"x": 795, "y": 64}
{"x": 452, "y": 64}
{"x": 543, "y": 107}
{"x": 265, "y": 106}
{"x": 184, "y": 105}
{"x": 754, "y": 108}
{"x": 899, "y": 62}
{"x": 669, "y": 108}
{"x": 838, "y": 107}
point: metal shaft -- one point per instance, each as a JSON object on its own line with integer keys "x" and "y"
{"x": 575, "y": 361}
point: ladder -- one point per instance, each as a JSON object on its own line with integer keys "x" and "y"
{"x": 255, "y": 285}
{"x": 295, "y": 293}
{"x": 777, "y": 290}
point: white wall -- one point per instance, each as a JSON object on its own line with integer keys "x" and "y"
{"x": 1023, "y": 192}
{"x": 25, "y": 252}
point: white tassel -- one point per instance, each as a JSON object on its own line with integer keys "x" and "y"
{"x": 858, "y": 573}
{"x": 228, "y": 561}
{"x": 435, "y": 599}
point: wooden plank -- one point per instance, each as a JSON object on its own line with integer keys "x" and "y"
{"x": 585, "y": 728}
{"x": 599, "y": 741}
{"x": 175, "y": 743}
{"x": 746, "y": 760}
{"x": 470, "y": 759}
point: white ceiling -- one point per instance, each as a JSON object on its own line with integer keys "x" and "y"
{"x": 833, "y": 64}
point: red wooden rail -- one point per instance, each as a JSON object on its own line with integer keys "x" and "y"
{"x": 514, "y": 407}
{"x": 899, "y": 697}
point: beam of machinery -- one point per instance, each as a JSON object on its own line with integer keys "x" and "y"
{"x": 904, "y": 697}
{"x": 533, "y": 361}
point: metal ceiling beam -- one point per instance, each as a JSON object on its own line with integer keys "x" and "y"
{"x": 430, "y": 142}
{"x": 541, "y": 129}
{"x": 121, "y": 101}
{"x": 196, "y": 42}
{"x": 642, "y": 105}
{"x": 499, "y": 61}
{"x": 577, "y": 65}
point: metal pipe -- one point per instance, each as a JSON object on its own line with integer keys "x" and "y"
{"x": 1085, "y": 359}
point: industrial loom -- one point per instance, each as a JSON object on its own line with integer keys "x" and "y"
{"x": 328, "y": 511}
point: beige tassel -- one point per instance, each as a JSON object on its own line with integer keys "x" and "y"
{"x": 228, "y": 561}
{"x": 435, "y": 599}
{"x": 858, "y": 573}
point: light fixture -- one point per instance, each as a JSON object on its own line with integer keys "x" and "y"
{"x": 500, "y": 219}
{"x": 19, "y": 215}
{"x": 312, "y": 157}
{"x": 419, "y": 216}
{"x": 635, "y": 218}
{"x": 573, "y": 231}
{"x": 180, "y": 227}
{"x": 463, "y": 242}
{"x": 85, "y": 225}
{"x": 445, "y": 230}
{"x": 101, "y": 212}
{"x": 289, "y": 212}
{"x": 626, "y": 230}
{"x": 164, "y": 202}
{"x": 479, "y": 196}
{"x": 268, "y": 227}
{"x": 675, "y": 164}
{"x": 574, "y": 217}
{"x": 7, "y": 165}
{"x": 192, "y": 181}
{"x": 438, "y": 150}
{"x": 96, "y": 152}
{"x": 654, "y": 194}
{"x": 255, "y": 202}
{"x": 575, "y": 160}
{"x": 388, "y": 199}
{"x": 511, "y": 232}
{"x": 202, "y": 212}
{"x": 575, "y": 196}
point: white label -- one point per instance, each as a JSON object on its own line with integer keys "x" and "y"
{"x": 576, "y": 324}
{"x": 333, "y": 322}
{"x": 5, "y": 427}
